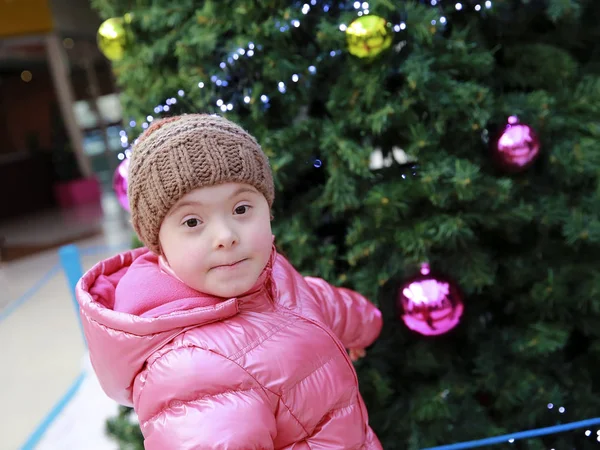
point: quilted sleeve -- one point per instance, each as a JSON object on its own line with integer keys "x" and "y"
{"x": 353, "y": 318}
{"x": 191, "y": 398}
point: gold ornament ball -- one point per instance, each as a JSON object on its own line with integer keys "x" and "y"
{"x": 112, "y": 38}
{"x": 368, "y": 36}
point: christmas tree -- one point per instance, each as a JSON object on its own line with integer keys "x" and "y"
{"x": 462, "y": 134}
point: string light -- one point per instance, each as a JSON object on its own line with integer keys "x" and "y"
{"x": 281, "y": 85}
{"x": 121, "y": 156}
{"x": 588, "y": 432}
{"x": 550, "y": 406}
{"x": 295, "y": 77}
{"x": 561, "y": 409}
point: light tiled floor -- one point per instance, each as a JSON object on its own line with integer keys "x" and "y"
{"x": 81, "y": 423}
{"x": 42, "y": 346}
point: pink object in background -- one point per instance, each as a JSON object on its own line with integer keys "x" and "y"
{"x": 430, "y": 304}
{"x": 517, "y": 146}
{"x": 78, "y": 192}
{"x": 120, "y": 180}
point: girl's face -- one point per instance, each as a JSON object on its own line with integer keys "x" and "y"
{"x": 217, "y": 239}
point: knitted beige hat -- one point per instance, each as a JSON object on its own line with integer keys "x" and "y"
{"x": 177, "y": 155}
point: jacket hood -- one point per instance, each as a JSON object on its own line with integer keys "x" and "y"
{"x": 130, "y": 308}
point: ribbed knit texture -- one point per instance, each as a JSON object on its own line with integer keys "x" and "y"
{"x": 179, "y": 154}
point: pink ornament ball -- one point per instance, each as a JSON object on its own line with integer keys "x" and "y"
{"x": 516, "y": 147}
{"x": 430, "y": 304}
{"x": 120, "y": 183}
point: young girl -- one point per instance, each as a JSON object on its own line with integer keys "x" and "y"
{"x": 214, "y": 338}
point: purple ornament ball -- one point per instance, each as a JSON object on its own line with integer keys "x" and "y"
{"x": 516, "y": 147}
{"x": 430, "y": 304}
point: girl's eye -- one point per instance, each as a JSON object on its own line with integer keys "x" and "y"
{"x": 242, "y": 209}
{"x": 192, "y": 223}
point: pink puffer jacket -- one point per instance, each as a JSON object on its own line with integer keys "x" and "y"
{"x": 267, "y": 370}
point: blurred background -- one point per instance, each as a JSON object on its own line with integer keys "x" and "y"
{"x": 60, "y": 117}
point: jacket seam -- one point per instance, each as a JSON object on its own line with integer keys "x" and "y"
{"x": 272, "y": 392}
{"x": 252, "y": 345}
{"x": 316, "y": 369}
{"x": 187, "y": 402}
{"x": 263, "y": 387}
